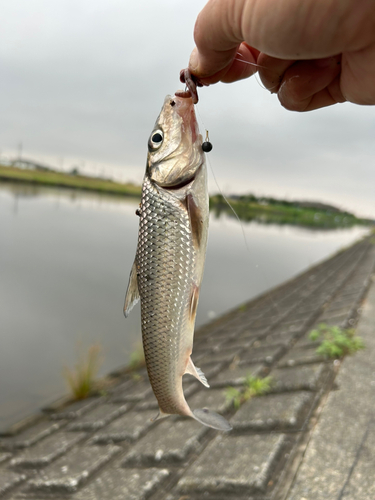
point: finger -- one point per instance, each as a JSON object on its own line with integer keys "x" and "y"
{"x": 309, "y": 85}
{"x": 271, "y": 71}
{"x": 217, "y": 35}
{"x": 242, "y": 65}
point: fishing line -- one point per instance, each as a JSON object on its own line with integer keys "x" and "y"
{"x": 256, "y": 76}
{"x": 221, "y": 192}
{"x": 235, "y": 214}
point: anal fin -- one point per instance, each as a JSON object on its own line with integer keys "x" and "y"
{"x": 196, "y": 372}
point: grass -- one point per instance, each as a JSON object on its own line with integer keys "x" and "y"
{"x": 336, "y": 342}
{"x": 253, "y": 386}
{"x": 82, "y": 379}
{"x": 60, "y": 179}
{"x": 272, "y": 211}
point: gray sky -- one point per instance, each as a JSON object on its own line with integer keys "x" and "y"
{"x": 82, "y": 82}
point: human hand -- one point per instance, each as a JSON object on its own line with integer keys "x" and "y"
{"x": 312, "y": 53}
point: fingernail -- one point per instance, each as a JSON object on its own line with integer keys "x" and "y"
{"x": 194, "y": 60}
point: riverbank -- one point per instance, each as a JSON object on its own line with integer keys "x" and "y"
{"x": 64, "y": 180}
{"x": 108, "y": 446}
{"x": 274, "y": 211}
{"x": 248, "y": 208}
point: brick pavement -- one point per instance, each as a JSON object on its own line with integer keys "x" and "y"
{"x": 107, "y": 447}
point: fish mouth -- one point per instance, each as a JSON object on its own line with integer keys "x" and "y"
{"x": 185, "y": 109}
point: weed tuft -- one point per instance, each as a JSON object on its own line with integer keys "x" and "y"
{"x": 336, "y": 342}
{"x": 82, "y": 380}
{"x": 253, "y": 386}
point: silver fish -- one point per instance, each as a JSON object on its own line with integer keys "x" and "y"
{"x": 168, "y": 267}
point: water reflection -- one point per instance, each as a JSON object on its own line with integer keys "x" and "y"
{"x": 65, "y": 258}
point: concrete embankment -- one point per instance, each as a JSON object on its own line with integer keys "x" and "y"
{"x": 311, "y": 437}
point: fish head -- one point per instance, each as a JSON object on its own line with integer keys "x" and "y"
{"x": 175, "y": 145}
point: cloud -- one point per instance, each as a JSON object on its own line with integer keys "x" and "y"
{"x": 87, "y": 79}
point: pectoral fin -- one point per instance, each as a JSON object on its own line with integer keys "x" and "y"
{"x": 196, "y": 372}
{"x": 132, "y": 293}
{"x": 196, "y": 221}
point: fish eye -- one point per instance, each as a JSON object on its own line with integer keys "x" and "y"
{"x": 156, "y": 139}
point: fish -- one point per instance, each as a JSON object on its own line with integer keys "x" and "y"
{"x": 168, "y": 268}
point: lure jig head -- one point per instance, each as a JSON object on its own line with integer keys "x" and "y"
{"x": 207, "y": 146}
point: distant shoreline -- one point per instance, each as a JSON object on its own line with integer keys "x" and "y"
{"x": 247, "y": 207}
{"x": 63, "y": 180}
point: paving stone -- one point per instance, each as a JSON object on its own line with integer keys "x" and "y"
{"x": 301, "y": 356}
{"x": 137, "y": 391}
{"x": 292, "y": 325}
{"x": 72, "y": 470}
{"x": 278, "y": 411}
{"x": 97, "y": 418}
{"x": 9, "y": 480}
{"x": 31, "y": 435}
{"x": 200, "y": 353}
{"x": 237, "y": 465}
{"x": 129, "y": 427}
{"x": 361, "y": 484}
{"x": 275, "y": 338}
{"x": 299, "y": 378}
{"x": 240, "y": 343}
{"x": 170, "y": 442}
{"x": 47, "y": 450}
{"x": 306, "y": 343}
{"x": 123, "y": 384}
{"x": 303, "y": 315}
{"x": 236, "y": 375}
{"x": 223, "y": 356}
{"x": 333, "y": 319}
{"x": 4, "y": 457}
{"x": 263, "y": 354}
{"x": 225, "y": 332}
{"x": 343, "y": 307}
{"x": 213, "y": 399}
{"x": 208, "y": 342}
{"x": 128, "y": 484}
{"x": 283, "y": 330}
{"x": 252, "y": 334}
{"x": 266, "y": 320}
{"x": 76, "y": 409}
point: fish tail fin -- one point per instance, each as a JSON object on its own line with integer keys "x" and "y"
{"x": 211, "y": 419}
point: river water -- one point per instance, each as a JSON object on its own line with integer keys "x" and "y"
{"x": 65, "y": 258}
